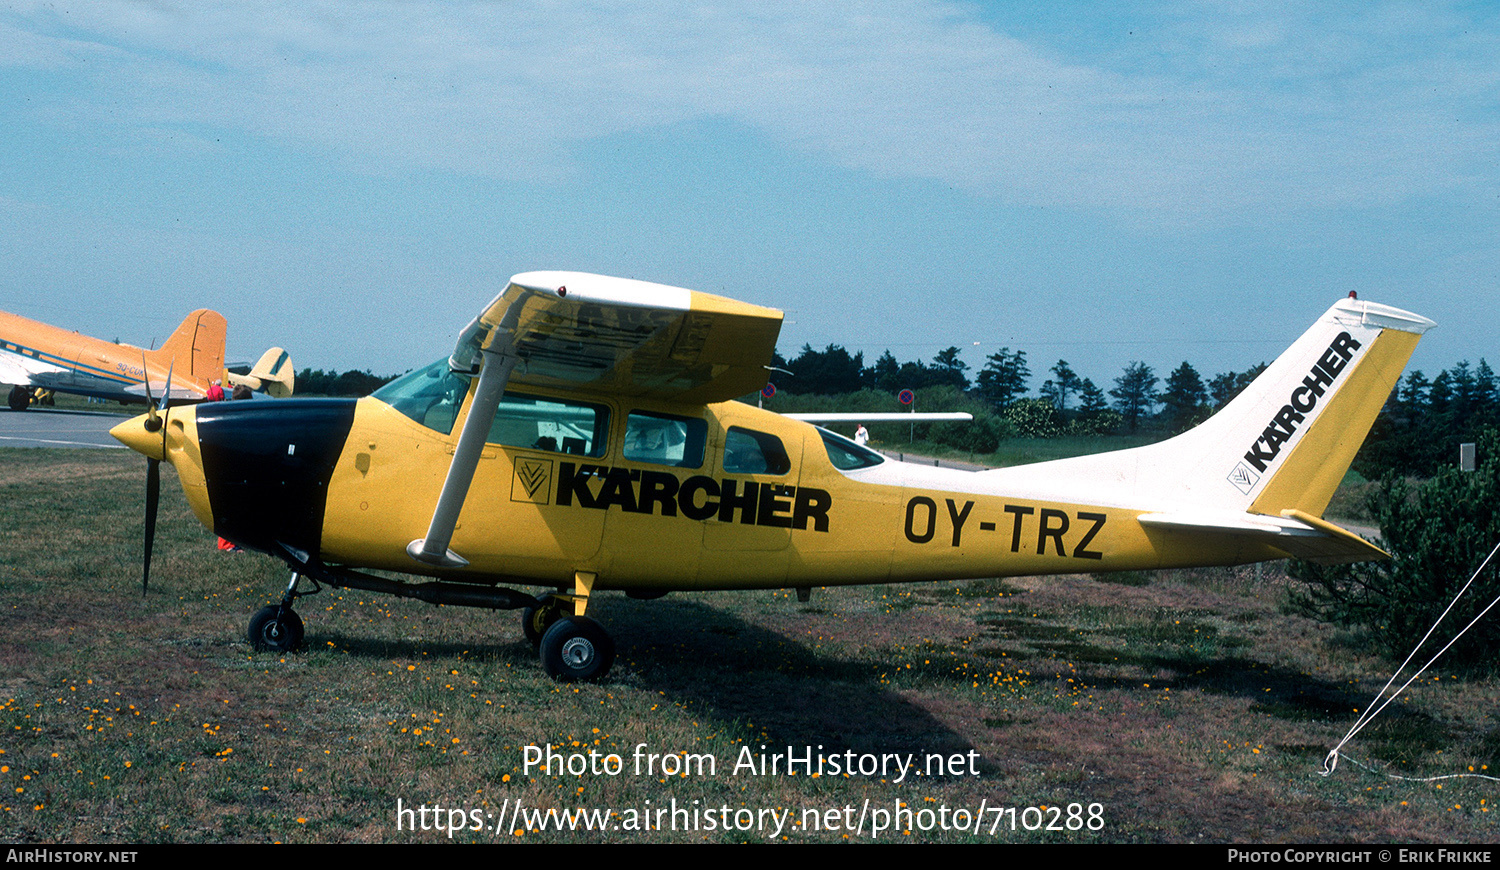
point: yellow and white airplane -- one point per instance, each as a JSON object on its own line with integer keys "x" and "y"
{"x": 582, "y": 436}
{"x": 37, "y": 357}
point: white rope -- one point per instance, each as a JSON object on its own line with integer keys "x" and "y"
{"x": 1331, "y": 760}
{"x": 1388, "y": 775}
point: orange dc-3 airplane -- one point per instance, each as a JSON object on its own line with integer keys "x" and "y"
{"x": 37, "y": 358}
{"x": 581, "y": 437}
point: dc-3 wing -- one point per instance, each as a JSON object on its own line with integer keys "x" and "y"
{"x": 604, "y": 335}
{"x": 13, "y": 372}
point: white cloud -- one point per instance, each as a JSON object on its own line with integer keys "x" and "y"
{"x": 1198, "y": 111}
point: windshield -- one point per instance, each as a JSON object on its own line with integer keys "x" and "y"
{"x": 431, "y": 395}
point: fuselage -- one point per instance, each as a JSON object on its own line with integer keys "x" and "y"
{"x": 645, "y": 495}
{"x": 578, "y": 437}
{"x": 40, "y": 355}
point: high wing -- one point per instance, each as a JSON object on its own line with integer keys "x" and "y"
{"x": 625, "y": 337}
{"x": 604, "y": 335}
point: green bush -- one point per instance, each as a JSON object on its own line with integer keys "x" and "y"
{"x": 1033, "y": 418}
{"x": 1437, "y": 533}
{"x": 1097, "y": 423}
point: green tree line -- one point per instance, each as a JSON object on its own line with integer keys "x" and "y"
{"x": 1421, "y": 426}
{"x": 1418, "y": 431}
{"x": 999, "y": 394}
{"x": 316, "y": 382}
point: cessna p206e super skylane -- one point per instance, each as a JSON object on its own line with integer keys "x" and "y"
{"x": 35, "y": 356}
{"x": 582, "y": 437}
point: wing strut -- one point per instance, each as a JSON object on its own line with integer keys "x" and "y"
{"x": 433, "y": 549}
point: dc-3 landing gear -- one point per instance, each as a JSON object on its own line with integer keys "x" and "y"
{"x": 571, "y": 646}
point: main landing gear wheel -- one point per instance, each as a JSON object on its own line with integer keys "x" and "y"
{"x": 275, "y": 630}
{"x": 536, "y": 620}
{"x": 577, "y": 648}
{"x": 19, "y": 398}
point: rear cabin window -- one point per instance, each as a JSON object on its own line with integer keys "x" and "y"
{"x": 665, "y": 439}
{"x": 845, "y": 454}
{"x": 747, "y": 451}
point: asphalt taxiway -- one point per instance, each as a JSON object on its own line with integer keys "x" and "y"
{"x": 53, "y": 427}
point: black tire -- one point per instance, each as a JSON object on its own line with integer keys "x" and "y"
{"x": 270, "y": 634}
{"x": 577, "y": 649}
{"x": 536, "y": 620}
{"x": 19, "y": 398}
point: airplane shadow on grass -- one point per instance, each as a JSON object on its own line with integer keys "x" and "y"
{"x": 795, "y": 694}
{"x": 733, "y": 670}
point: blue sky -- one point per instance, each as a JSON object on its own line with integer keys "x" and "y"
{"x": 1100, "y": 183}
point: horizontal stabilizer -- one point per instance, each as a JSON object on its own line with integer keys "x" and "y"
{"x": 273, "y": 374}
{"x": 1298, "y": 534}
{"x": 181, "y": 392}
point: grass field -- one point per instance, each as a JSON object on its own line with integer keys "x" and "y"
{"x": 1172, "y": 707}
{"x": 70, "y": 402}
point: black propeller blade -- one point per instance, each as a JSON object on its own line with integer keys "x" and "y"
{"x": 153, "y": 469}
{"x": 153, "y": 494}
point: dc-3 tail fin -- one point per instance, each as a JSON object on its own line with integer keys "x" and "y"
{"x": 1269, "y": 461}
{"x": 196, "y": 348}
{"x": 273, "y": 373}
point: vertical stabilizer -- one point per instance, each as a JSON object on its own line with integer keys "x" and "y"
{"x": 1283, "y": 444}
{"x": 273, "y": 374}
{"x": 1319, "y": 426}
{"x": 196, "y": 349}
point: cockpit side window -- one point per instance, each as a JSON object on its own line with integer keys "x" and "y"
{"x": 665, "y": 439}
{"x": 553, "y": 425}
{"x": 747, "y": 451}
{"x": 433, "y": 395}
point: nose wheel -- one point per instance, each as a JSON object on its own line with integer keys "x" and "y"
{"x": 572, "y": 648}
{"x": 275, "y": 629}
